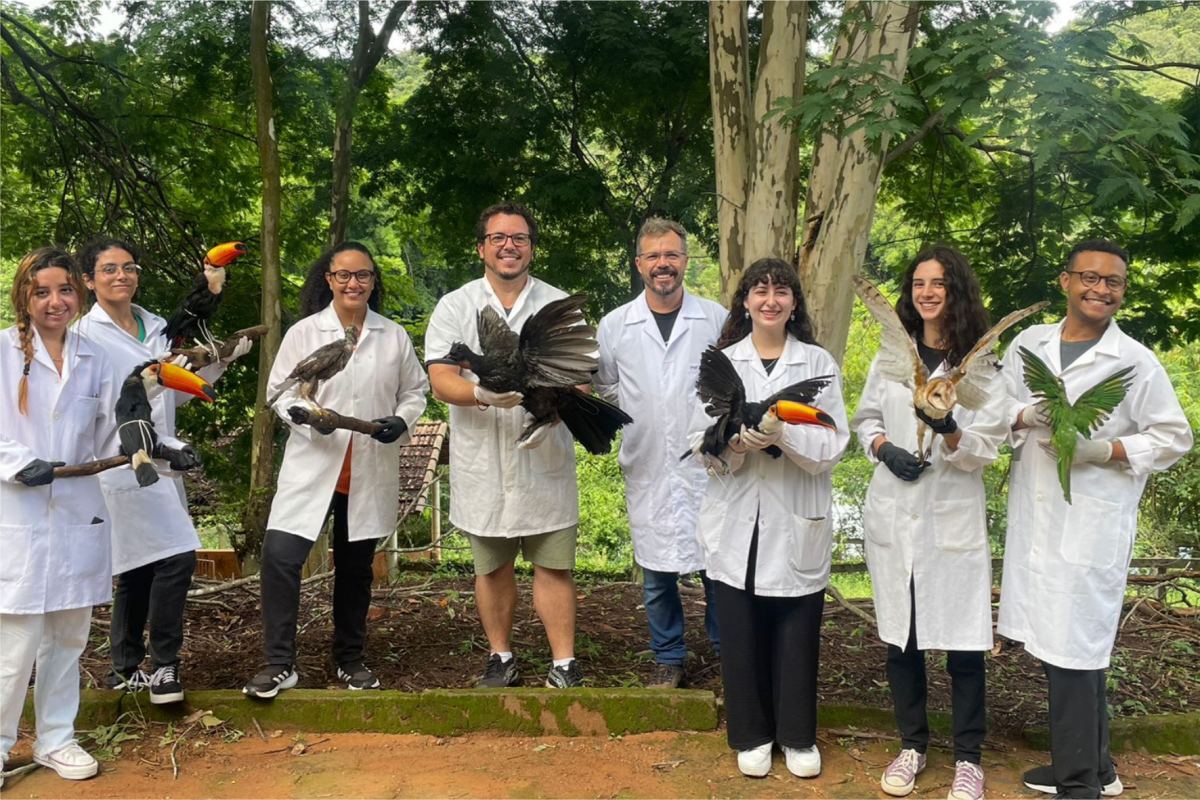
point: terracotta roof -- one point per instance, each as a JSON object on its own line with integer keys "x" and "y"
{"x": 419, "y": 460}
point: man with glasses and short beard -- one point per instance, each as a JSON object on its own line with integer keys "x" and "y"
{"x": 649, "y": 360}
{"x": 504, "y": 496}
{"x": 1065, "y": 563}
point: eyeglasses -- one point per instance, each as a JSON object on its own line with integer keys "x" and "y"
{"x": 498, "y": 239}
{"x": 343, "y": 276}
{"x": 672, "y": 257}
{"x": 1088, "y": 278}
{"x": 112, "y": 269}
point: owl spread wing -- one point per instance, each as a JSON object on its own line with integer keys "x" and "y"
{"x": 898, "y": 359}
{"x": 970, "y": 375}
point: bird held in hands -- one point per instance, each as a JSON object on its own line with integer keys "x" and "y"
{"x": 134, "y": 414}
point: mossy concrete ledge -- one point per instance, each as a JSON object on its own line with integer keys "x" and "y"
{"x": 1156, "y": 733}
{"x": 443, "y": 712}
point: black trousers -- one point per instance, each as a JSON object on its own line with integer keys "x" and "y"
{"x": 1079, "y": 753}
{"x": 283, "y": 560}
{"x": 968, "y": 695}
{"x": 154, "y": 593}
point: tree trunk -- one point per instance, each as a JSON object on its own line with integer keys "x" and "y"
{"x": 844, "y": 181}
{"x": 343, "y": 131}
{"x": 729, "y": 73}
{"x": 262, "y": 449}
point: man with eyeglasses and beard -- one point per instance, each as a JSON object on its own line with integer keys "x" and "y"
{"x": 507, "y": 497}
{"x": 649, "y": 361}
{"x": 1065, "y": 562}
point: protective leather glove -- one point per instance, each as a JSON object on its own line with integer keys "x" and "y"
{"x": 1087, "y": 451}
{"x": 181, "y": 361}
{"x": 319, "y": 426}
{"x": 1036, "y": 415}
{"x": 497, "y": 399}
{"x": 903, "y": 464}
{"x": 393, "y": 428}
{"x": 183, "y": 459}
{"x": 755, "y": 439}
{"x": 944, "y": 426}
{"x": 38, "y": 472}
{"x": 538, "y": 436}
{"x": 240, "y": 349}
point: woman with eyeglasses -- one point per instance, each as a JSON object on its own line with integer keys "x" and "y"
{"x": 354, "y": 478}
{"x": 153, "y": 539}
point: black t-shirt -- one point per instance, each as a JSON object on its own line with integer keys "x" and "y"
{"x": 666, "y": 322}
{"x": 929, "y": 356}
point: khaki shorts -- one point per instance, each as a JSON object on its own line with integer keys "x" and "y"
{"x": 553, "y": 550}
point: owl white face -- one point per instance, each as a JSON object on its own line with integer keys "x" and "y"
{"x": 939, "y": 398}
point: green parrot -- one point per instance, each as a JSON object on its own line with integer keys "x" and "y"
{"x": 1067, "y": 420}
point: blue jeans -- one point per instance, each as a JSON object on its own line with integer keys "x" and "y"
{"x": 664, "y": 613}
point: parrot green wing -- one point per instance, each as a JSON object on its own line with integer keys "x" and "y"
{"x": 1092, "y": 407}
{"x": 1041, "y": 381}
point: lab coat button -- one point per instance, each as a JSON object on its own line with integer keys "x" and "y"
{"x": 916, "y": 516}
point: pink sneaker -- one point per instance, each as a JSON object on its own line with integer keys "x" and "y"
{"x": 901, "y": 775}
{"x": 968, "y": 782}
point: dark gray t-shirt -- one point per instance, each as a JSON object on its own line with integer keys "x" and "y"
{"x": 1069, "y": 351}
{"x": 666, "y": 322}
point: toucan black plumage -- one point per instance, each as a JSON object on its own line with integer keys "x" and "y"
{"x": 135, "y": 425}
{"x": 190, "y": 320}
{"x": 555, "y": 351}
{"x": 724, "y": 395}
{"x": 319, "y": 365}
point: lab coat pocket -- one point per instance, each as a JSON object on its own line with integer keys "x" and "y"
{"x": 879, "y": 519}
{"x": 90, "y": 551}
{"x": 1092, "y": 532}
{"x": 713, "y": 514}
{"x": 82, "y": 414}
{"x": 812, "y": 542}
{"x": 15, "y": 543}
{"x": 959, "y": 524}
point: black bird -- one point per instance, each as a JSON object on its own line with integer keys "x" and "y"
{"x": 555, "y": 352}
{"x": 190, "y": 320}
{"x": 319, "y": 365}
{"x": 135, "y": 426}
{"x": 724, "y": 395}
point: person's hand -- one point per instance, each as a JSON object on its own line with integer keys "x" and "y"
{"x": 183, "y": 459}
{"x": 903, "y": 464}
{"x": 393, "y": 428}
{"x": 498, "y": 399}
{"x": 38, "y": 472}
{"x": 1087, "y": 451}
{"x": 240, "y": 349}
{"x": 944, "y": 426}
{"x": 756, "y": 439}
{"x": 737, "y": 445}
{"x": 181, "y": 361}
{"x": 1036, "y": 415}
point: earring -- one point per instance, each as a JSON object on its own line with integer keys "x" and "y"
{"x": 747, "y": 314}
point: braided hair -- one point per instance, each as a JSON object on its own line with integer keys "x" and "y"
{"x": 24, "y": 283}
{"x": 766, "y": 270}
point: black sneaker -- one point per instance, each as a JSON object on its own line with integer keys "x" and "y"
{"x": 357, "y": 676}
{"x": 138, "y": 680}
{"x": 498, "y": 674}
{"x": 165, "y": 686}
{"x": 666, "y": 676}
{"x": 567, "y": 677}
{"x": 271, "y": 681}
{"x": 1041, "y": 779}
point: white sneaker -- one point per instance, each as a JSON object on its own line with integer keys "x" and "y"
{"x": 71, "y": 762}
{"x": 803, "y": 762}
{"x": 755, "y": 763}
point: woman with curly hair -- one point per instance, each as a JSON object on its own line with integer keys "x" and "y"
{"x": 766, "y": 527}
{"x": 924, "y": 522}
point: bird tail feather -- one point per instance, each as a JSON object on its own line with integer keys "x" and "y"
{"x": 289, "y": 383}
{"x": 143, "y": 469}
{"x": 593, "y": 422}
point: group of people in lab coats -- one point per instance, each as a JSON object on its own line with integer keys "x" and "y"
{"x": 757, "y": 529}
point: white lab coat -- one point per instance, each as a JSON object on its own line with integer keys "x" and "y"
{"x": 655, "y": 383}
{"x": 54, "y": 539}
{"x": 495, "y": 488}
{"x": 1065, "y": 565}
{"x": 791, "y": 496}
{"x": 148, "y": 523}
{"x": 383, "y": 379}
{"x": 931, "y": 532}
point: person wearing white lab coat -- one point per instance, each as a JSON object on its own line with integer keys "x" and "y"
{"x": 766, "y": 527}
{"x": 924, "y": 524}
{"x": 503, "y": 497}
{"x": 154, "y": 540}
{"x": 56, "y": 408}
{"x": 649, "y": 359}
{"x": 1065, "y": 564}
{"x": 354, "y": 477}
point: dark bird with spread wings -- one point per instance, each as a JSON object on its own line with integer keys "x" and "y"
{"x": 1067, "y": 419}
{"x": 319, "y": 365}
{"x": 724, "y": 395}
{"x": 555, "y": 352}
{"x": 134, "y": 414}
{"x": 898, "y": 360}
{"x": 190, "y": 320}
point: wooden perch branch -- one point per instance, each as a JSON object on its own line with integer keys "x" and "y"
{"x": 326, "y": 418}
{"x": 90, "y": 467}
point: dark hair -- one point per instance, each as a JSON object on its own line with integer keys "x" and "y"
{"x": 965, "y": 319}
{"x": 766, "y": 270}
{"x": 515, "y": 209}
{"x": 316, "y": 293}
{"x": 90, "y": 252}
{"x": 1098, "y": 246}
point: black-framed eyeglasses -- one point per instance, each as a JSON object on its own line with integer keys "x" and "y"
{"x": 498, "y": 239}
{"x": 1088, "y": 278}
{"x": 343, "y": 276}
{"x": 112, "y": 269}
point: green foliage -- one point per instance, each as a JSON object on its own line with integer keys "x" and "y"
{"x": 604, "y": 540}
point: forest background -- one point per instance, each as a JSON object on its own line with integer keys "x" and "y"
{"x": 292, "y": 125}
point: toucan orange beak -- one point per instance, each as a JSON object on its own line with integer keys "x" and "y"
{"x": 800, "y": 414}
{"x": 225, "y": 254}
{"x": 181, "y": 380}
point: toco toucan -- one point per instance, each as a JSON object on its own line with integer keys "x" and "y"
{"x": 319, "y": 365}
{"x": 135, "y": 425}
{"x": 190, "y": 320}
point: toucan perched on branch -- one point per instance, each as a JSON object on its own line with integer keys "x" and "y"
{"x": 135, "y": 426}
{"x": 724, "y": 395}
{"x": 555, "y": 352}
{"x": 319, "y": 365}
{"x": 190, "y": 320}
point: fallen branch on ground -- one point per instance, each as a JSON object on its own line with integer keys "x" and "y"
{"x": 838, "y": 598}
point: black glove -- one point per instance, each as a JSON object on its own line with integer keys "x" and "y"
{"x": 183, "y": 459}
{"x": 393, "y": 428}
{"x": 944, "y": 426}
{"x": 903, "y": 464}
{"x": 38, "y": 472}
